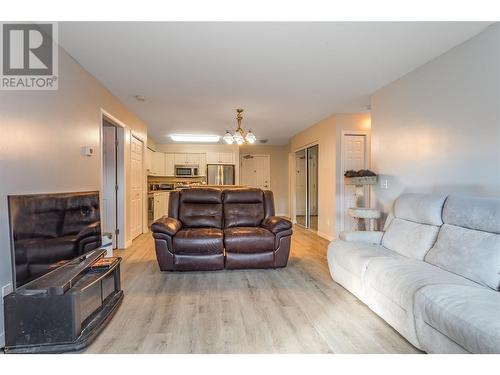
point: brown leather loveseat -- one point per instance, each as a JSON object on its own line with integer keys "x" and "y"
{"x": 212, "y": 229}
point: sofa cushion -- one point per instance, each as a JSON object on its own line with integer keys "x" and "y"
{"x": 432, "y": 341}
{"x": 355, "y": 256}
{"x": 198, "y": 241}
{"x": 200, "y": 208}
{"x": 201, "y": 215}
{"x": 243, "y": 207}
{"x": 473, "y": 213}
{"x": 248, "y": 240}
{"x": 470, "y": 253}
{"x": 399, "y": 278}
{"x": 468, "y": 315}
{"x": 410, "y": 239}
{"x": 420, "y": 208}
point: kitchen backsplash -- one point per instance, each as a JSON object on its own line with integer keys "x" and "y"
{"x": 173, "y": 180}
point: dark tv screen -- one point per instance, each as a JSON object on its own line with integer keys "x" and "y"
{"x": 48, "y": 230}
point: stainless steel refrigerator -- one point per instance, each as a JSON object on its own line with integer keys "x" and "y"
{"x": 220, "y": 174}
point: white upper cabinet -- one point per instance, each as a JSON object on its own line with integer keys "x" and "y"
{"x": 158, "y": 164}
{"x": 227, "y": 158}
{"x": 202, "y": 171}
{"x": 220, "y": 158}
{"x": 163, "y": 164}
{"x": 169, "y": 164}
{"x": 149, "y": 161}
{"x": 180, "y": 158}
{"x": 193, "y": 158}
{"x": 212, "y": 158}
{"x": 187, "y": 158}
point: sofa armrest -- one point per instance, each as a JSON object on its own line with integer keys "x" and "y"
{"x": 166, "y": 225}
{"x": 276, "y": 224}
{"x": 90, "y": 230}
{"x": 370, "y": 237}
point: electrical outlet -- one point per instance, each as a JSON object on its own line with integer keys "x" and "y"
{"x": 383, "y": 184}
{"x": 6, "y": 289}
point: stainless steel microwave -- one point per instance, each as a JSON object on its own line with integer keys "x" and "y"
{"x": 186, "y": 170}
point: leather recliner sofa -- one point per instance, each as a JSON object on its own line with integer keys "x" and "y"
{"x": 211, "y": 229}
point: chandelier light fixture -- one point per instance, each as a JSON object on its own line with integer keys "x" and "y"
{"x": 239, "y": 136}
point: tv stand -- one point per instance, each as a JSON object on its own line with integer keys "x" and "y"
{"x": 64, "y": 310}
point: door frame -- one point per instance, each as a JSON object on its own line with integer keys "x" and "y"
{"x": 115, "y": 173}
{"x": 121, "y": 206}
{"x": 144, "y": 179}
{"x": 340, "y": 202}
{"x": 268, "y": 156}
{"x": 293, "y": 212}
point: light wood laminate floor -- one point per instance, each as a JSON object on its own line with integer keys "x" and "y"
{"x": 297, "y": 309}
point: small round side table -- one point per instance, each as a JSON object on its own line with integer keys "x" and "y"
{"x": 368, "y": 216}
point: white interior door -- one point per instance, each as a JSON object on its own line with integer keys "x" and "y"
{"x": 353, "y": 158}
{"x": 109, "y": 199}
{"x": 255, "y": 171}
{"x": 136, "y": 183}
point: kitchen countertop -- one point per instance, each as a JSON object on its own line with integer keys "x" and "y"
{"x": 198, "y": 186}
{"x": 224, "y": 186}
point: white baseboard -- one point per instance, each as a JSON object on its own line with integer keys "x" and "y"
{"x": 326, "y": 236}
{"x": 283, "y": 215}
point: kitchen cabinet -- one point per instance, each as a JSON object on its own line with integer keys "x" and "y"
{"x": 202, "y": 171}
{"x": 187, "y": 158}
{"x": 220, "y": 158}
{"x": 160, "y": 204}
{"x": 227, "y": 158}
{"x": 169, "y": 164}
{"x": 158, "y": 164}
{"x": 180, "y": 159}
{"x": 193, "y": 159}
{"x": 149, "y": 161}
{"x": 163, "y": 164}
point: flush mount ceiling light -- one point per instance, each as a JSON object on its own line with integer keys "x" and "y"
{"x": 239, "y": 136}
{"x": 195, "y": 138}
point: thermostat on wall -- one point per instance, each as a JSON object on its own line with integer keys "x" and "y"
{"x": 88, "y": 150}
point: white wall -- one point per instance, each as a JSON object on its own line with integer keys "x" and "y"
{"x": 42, "y": 135}
{"x": 437, "y": 129}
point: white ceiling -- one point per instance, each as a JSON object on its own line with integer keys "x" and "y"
{"x": 286, "y": 76}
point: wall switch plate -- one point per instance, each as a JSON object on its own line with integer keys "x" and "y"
{"x": 383, "y": 183}
{"x": 6, "y": 289}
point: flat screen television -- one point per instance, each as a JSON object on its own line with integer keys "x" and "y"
{"x": 48, "y": 230}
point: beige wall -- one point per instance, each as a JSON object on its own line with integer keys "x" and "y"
{"x": 42, "y": 135}
{"x": 327, "y": 134}
{"x": 437, "y": 129}
{"x": 279, "y": 173}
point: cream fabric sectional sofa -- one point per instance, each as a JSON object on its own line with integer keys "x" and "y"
{"x": 433, "y": 273}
